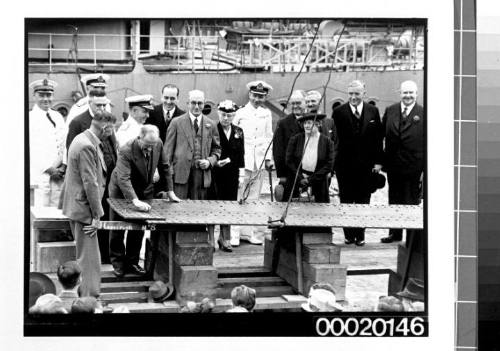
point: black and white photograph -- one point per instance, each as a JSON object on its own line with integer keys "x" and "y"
{"x": 270, "y": 166}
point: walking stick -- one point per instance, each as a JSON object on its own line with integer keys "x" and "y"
{"x": 269, "y": 171}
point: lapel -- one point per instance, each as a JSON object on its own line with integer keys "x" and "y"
{"x": 409, "y": 118}
{"x": 188, "y": 130}
{"x": 155, "y": 156}
{"x": 365, "y": 118}
{"x": 204, "y": 137}
{"x": 139, "y": 159}
{"x": 222, "y": 135}
{"x": 98, "y": 149}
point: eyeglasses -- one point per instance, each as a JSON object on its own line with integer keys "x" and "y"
{"x": 199, "y": 103}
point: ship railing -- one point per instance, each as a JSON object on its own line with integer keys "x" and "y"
{"x": 275, "y": 53}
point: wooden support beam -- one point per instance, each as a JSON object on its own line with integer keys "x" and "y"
{"x": 298, "y": 258}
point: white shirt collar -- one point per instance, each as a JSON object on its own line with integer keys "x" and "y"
{"x": 359, "y": 107}
{"x": 227, "y": 132}
{"x": 193, "y": 118}
{"x": 409, "y": 108}
{"x": 167, "y": 112}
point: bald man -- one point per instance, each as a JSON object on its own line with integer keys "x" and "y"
{"x": 192, "y": 148}
{"x": 403, "y": 125}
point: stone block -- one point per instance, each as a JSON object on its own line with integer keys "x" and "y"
{"x": 321, "y": 253}
{"x": 51, "y": 254}
{"x": 195, "y": 282}
{"x": 193, "y": 254}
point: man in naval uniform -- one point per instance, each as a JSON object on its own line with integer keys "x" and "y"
{"x": 47, "y": 140}
{"x": 96, "y": 81}
{"x": 257, "y": 124}
{"x": 139, "y": 109}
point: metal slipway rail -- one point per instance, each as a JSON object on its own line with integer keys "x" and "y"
{"x": 300, "y": 214}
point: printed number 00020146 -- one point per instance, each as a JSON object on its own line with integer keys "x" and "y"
{"x": 371, "y": 326}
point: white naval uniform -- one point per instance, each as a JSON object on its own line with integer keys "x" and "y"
{"x": 257, "y": 125}
{"x": 80, "y": 107}
{"x": 47, "y": 146}
{"x": 129, "y": 130}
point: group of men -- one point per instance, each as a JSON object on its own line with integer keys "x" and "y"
{"x": 163, "y": 151}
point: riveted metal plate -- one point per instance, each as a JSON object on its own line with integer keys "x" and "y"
{"x": 300, "y": 214}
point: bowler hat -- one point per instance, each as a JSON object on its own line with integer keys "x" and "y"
{"x": 160, "y": 291}
{"x": 414, "y": 290}
{"x": 377, "y": 181}
{"x": 40, "y": 284}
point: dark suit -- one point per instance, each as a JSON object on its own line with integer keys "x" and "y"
{"x": 189, "y": 180}
{"x": 226, "y": 177}
{"x": 132, "y": 178}
{"x": 329, "y": 130}
{"x": 359, "y": 149}
{"x": 318, "y": 180}
{"x": 109, "y": 147}
{"x": 404, "y": 156}
{"x": 84, "y": 186}
{"x": 285, "y": 129}
{"x": 157, "y": 118}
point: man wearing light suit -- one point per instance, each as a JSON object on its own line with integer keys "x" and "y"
{"x": 84, "y": 187}
{"x": 192, "y": 148}
{"x": 403, "y": 125}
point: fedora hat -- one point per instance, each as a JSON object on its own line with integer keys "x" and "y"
{"x": 414, "y": 290}
{"x": 321, "y": 300}
{"x": 40, "y": 284}
{"x": 160, "y": 291}
{"x": 377, "y": 181}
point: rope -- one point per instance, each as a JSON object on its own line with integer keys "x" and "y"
{"x": 252, "y": 180}
{"x": 285, "y": 212}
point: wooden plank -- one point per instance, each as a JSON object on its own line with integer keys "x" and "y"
{"x": 226, "y": 272}
{"x": 250, "y": 281}
{"x": 52, "y": 254}
{"x": 109, "y": 277}
{"x": 136, "y": 286}
{"x": 132, "y": 296}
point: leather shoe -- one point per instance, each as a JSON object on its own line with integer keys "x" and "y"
{"x": 136, "y": 269}
{"x": 360, "y": 243}
{"x": 389, "y": 239}
{"x": 118, "y": 271}
{"x": 349, "y": 241}
{"x": 224, "y": 245}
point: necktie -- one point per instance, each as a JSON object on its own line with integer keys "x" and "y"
{"x": 51, "y": 120}
{"x": 356, "y": 112}
{"x": 196, "y": 125}
{"x": 405, "y": 113}
{"x": 147, "y": 155}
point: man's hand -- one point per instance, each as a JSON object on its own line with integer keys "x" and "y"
{"x": 377, "y": 168}
{"x": 222, "y": 163}
{"x": 141, "y": 206}
{"x": 172, "y": 197}
{"x": 204, "y": 164}
{"x": 91, "y": 229}
{"x": 156, "y": 176}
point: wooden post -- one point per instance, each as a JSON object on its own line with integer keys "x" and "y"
{"x": 170, "y": 257}
{"x": 298, "y": 258}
